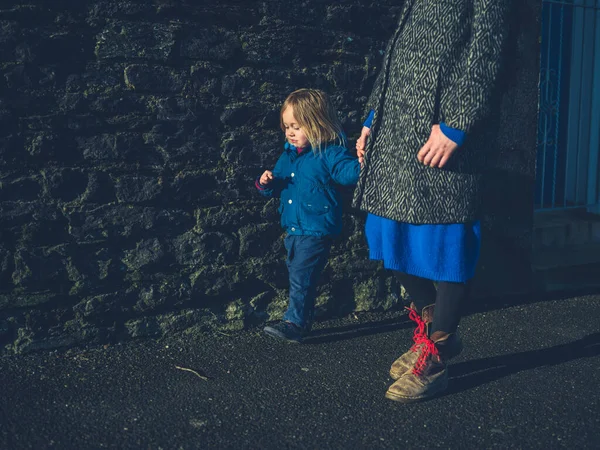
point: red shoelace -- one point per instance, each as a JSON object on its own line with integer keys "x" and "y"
{"x": 422, "y": 343}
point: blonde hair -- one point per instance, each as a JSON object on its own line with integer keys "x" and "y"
{"x": 316, "y": 116}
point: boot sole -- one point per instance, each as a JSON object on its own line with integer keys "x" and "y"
{"x": 272, "y": 332}
{"x": 400, "y": 399}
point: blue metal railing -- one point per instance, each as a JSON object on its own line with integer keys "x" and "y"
{"x": 569, "y": 110}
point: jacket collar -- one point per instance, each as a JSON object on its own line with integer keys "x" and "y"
{"x": 291, "y": 149}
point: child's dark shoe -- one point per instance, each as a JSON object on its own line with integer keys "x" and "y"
{"x": 287, "y": 331}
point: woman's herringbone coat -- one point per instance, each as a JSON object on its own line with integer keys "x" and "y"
{"x": 441, "y": 65}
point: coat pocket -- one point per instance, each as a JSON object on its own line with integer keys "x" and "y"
{"x": 318, "y": 216}
{"x": 316, "y": 208}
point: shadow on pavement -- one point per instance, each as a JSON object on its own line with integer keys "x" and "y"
{"x": 470, "y": 374}
{"x": 493, "y": 303}
{"x": 325, "y": 335}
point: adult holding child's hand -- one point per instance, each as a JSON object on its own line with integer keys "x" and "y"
{"x": 361, "y": 144}
{"x": 422, "y": 151}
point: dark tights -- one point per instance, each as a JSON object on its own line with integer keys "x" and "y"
{"x": 448, "y": 298}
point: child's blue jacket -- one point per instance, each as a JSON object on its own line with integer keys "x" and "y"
{"x": 310, "y": 204}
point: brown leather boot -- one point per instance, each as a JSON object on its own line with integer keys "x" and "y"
{"x": 429, "y": 375}
{"x": 408, "y": 359}
{"x": 453, "y": 347}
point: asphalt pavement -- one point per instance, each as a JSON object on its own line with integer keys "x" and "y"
{"x": 528, "y": 378}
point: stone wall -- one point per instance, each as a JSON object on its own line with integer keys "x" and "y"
{"x": 130, "y": 136}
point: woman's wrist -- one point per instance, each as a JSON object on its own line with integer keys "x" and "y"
{"x": 454, "y": 134}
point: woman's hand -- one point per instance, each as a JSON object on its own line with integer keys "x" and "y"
{"x": 437, "y": 150}
{"x": 266, "y": 177}
{"x": 361, "y": 144}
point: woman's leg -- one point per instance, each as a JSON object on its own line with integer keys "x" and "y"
{"x": 422, "y": 291}
{"x": 450, "y": 300}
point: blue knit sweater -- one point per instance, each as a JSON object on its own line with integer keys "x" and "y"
{"x": 439, "y": 252}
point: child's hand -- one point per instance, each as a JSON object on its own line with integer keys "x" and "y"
{"x": 361, "y": 144}
{"x": 266, "y": 177}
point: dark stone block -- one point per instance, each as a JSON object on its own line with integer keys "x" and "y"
{"x": 135, "y": 189}
{"x": 110, "y": 221}
{"x": 280, "y": 13}
{"x": 98, "y": 147}
{"x": 269, "y": 47}
{"x": 112, "y": 147}
{"x": 66, "y": 184}
{"x": 143, "y": 328}
{"x": 204, "y": 248}
{"x": 10, "y": 150}
{"x": 216, "y": 281}
{"x": 151, "y": 298}
{"x": 182, "y": 145}
{"x": 100, "y": 188}
{"x": 236, "y": 115}
{"x": 124, "y": 40}
{"x": 191, "y": 187}
{"x": 76, "y": 103}
{"x": 176, "y": 108}
{"x": 238, "y": 150}
{"x": 188, "y": 249}
{"x": 146, "y": 252}
{"x": 210, "y": 44}
{"x": 100, "y": 10}
{"x": 230, "y": 217}
{"x": 85, "y": 122}
{"x": 108, "y": 105}
{"x": 9, "y": 34}
{"x": 40, "y": 268}
{"x": 47, "y": 230}
{"x": 99, "y": 305}
{"x": 22, "y": 189}
{"x": 26, "y": 300}
{"x": 18, "y": 211}
{"x": 145, "y": 78}
{"x": 6, "y": 265}
{"x": 57, "y": 48}
{"x": 18, "y": 77}
{"x": 258, "y": 240}
{"x": 99, "y": 78}
{"x": 231, "y": 85}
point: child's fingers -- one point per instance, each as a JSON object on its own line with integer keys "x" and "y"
{"x": 266, "y": 177}
{"x": 360, "y": 143}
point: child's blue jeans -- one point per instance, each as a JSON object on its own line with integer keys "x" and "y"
{"x": 307, "y": 256}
